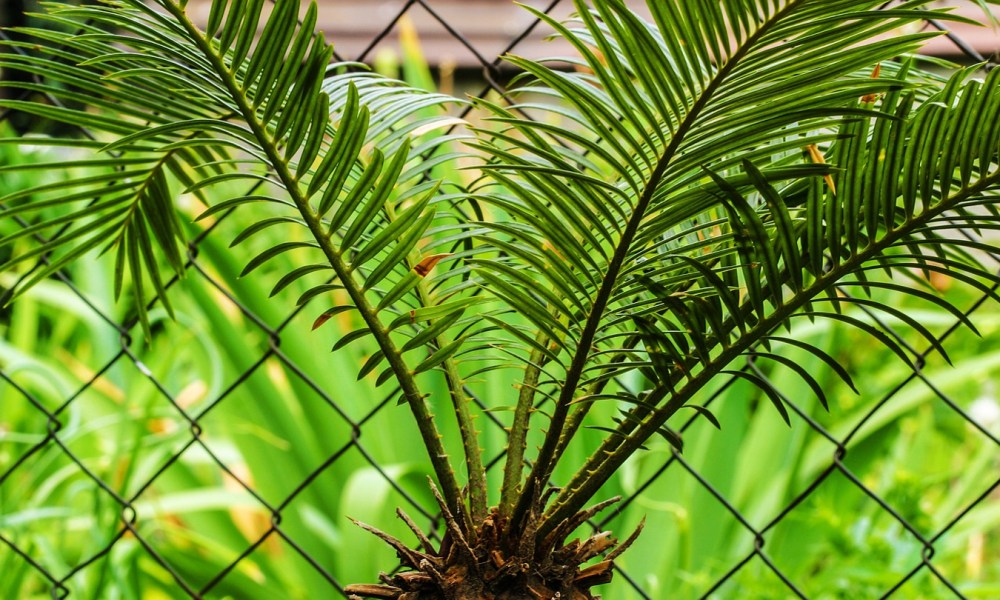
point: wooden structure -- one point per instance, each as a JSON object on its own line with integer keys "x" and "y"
{"x": 489, "y": 26}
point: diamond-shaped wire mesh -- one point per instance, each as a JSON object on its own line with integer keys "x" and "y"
{"x": 220, "y": 458}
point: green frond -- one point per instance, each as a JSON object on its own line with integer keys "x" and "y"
{"x": 340, "y": 162}
{"x": 745, "y": 156}
{"x": 186, "y": 100}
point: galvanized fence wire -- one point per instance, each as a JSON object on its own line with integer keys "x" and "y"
{"x": 360, "y": 438}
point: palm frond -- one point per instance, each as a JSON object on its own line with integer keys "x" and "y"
{"x": 901, "y": 178}
{"x": 673, "y": 182}
{"x": 343, "y": 171}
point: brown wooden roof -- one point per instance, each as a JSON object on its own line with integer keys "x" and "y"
{"x": 489, "y": 27}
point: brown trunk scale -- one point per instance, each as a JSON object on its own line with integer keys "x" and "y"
{"x": 500, "y": 564}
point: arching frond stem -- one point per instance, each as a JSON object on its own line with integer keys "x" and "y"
{"x": 604, "y": 462}
{"x": 478, "y": 498}
{"x": 517, "y": 440}
{"x": 413, "y": 396}
{"x": 547, "y": 456}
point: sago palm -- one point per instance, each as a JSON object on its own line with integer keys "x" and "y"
{"x": 669, "y": 199}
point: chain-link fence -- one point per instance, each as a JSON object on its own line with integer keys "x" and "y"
{"x": 76, "y": 517}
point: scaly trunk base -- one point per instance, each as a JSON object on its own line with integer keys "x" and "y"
{"x": 499, "y": 564}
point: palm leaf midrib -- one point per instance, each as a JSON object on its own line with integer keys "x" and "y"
{"x": 587, "y": 477}
{"x": 393, "y": 356}
{"x": 609, "y": 281}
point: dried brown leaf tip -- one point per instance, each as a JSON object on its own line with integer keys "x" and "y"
{"x": 871, "y": 98}
{"x": 323, "y": 318}
{"x": 427, "y": 263}
{"x": 327, "y": 315}
{"x": 816, "y": 155}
